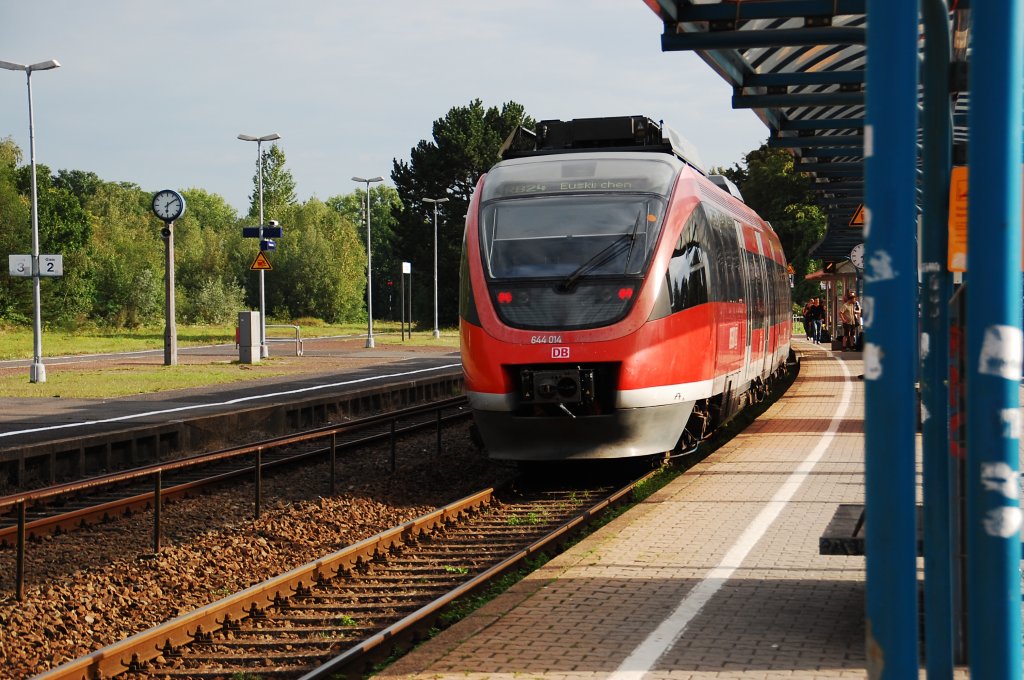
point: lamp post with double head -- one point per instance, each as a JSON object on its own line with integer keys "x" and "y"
{"x": 369, "y": 260}
{"x": 264, "y": 348}
{"x": 37, "y": 372}
{"x": 435, "y": 201}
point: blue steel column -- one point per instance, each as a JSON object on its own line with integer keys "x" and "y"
{"x": 890, "y": 350}
{"x": 994, "y": 341}
{"x": 937, "y": 289}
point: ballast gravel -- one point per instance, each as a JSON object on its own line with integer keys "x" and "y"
{"x": 96, "y": 586}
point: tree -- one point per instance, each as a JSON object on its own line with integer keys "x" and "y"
{"x": 208, "y": 288}
{"x": 784, "y": 197}
{"x": 15, "y": 294}
{"x": 384, "y": 206}
{"x": 65, "y": 229}
{"x": 278, "y": 186}
{"x": 318, "y": 267}
{"x": 82, "y": 184}
{"x": 465, "y": 145}
{"x": 127, "y": 256}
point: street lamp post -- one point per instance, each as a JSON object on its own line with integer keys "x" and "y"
{"x": 435, "y": 201}
{"x": 369, "y": 259}
{"x": 37, "y": 372}
{"x": 264, "y": 348}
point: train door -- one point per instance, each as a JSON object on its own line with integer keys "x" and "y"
{"x": 747, "y": 299}
{"x": 753, "y": 270}
{"x": 765, "y": 307}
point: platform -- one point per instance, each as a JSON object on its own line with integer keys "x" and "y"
{"x": 717, "y": 575}
{"x": 46, "y": 440}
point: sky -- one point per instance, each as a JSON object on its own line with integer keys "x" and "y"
{"x": 157, "y": 93}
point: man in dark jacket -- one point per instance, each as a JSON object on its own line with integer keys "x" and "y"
{"x": 817, "y": 315}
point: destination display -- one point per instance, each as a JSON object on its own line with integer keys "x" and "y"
{"x": 551, "y": 175}
{"x": 548, "y": 187}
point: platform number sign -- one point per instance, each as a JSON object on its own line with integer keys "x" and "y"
{"x": 49, "y": 265}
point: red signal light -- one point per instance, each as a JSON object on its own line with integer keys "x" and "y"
{"x": 504, "y": 298}
{"x": 625, "y": 293}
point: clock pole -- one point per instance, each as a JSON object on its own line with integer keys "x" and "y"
{"x": 170, "y": 327}
{"x": 169, "y": 205}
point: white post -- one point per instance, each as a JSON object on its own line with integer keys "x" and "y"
{"x": 264, "y": 349}
{"x": 435, "y": 201}
{"x": 369, "y": 260}
{"x": 37, "y": 372}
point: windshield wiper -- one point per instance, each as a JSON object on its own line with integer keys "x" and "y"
{"x": 632, "y": 237}
{"x": 603, "y": 256}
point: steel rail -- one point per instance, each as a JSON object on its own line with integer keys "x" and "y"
{"x": 360, "y": 657}
{"x": 142, "y": 647}
{"x": 23, "y": 529}
{"x": 132, "y": 654}
{"x": 11, "y": 501}
{"x": 143, "y": 501}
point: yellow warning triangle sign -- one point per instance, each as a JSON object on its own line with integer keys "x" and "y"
{"x": 858, "y": 217}
{"x": 261, "y": 262}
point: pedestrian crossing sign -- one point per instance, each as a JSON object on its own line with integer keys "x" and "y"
{"x": 260, "y": 263}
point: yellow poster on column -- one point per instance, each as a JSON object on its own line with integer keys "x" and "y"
{"x": 957, "y": 245}
{"x": 857, "y": 218}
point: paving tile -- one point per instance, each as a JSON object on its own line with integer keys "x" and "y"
{"x": 784, "y": 612}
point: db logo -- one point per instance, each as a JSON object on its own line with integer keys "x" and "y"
{"x": 559, "y": 352}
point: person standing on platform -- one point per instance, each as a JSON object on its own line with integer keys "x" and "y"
{"x": 807, "y": 318}
{"x": 848, "y": 316}
{"x": 817, "y": 315}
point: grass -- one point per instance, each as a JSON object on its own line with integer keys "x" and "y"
{"x": 126, "y": 380}
{"x": 108, "y": 381}
{"x": 16, "y": 341}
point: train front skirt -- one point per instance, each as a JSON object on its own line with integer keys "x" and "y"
{"x": 625, "y": 432}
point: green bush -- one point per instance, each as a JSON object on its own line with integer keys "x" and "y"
{"x": 216, "y": 301}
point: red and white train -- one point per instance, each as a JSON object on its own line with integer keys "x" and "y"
{"x": 615, "y": 301}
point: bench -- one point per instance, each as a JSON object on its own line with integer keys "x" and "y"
{"x": 844, "y": 534}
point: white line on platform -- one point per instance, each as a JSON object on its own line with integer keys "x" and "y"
{"x": 646, "y": 655}
{"x": 229, "y": 402}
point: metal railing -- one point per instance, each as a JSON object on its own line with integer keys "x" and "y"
{"x": 297, "y": 340}
{"x": 19, "y": 503}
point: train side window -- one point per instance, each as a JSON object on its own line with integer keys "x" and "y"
{"x": 687, "y": 274}
{"x": 725, "y": 265}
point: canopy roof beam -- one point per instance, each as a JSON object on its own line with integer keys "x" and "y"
{"x": 779, "y": 37}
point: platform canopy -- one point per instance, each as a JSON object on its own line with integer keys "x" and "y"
{"x": 799, "y": 65}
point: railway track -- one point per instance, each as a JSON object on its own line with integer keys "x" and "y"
{"x": 338, "y": 615}
{"x": 65, "y": 507}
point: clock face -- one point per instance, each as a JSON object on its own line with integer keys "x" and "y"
{"x": 168, "y": 205}
{"x": 857, "y": 256}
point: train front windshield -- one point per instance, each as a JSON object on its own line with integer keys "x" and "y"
{"x": 566, "y": 241}
{"x": 567, "y": 235}
{"x": 551, "y": 216}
